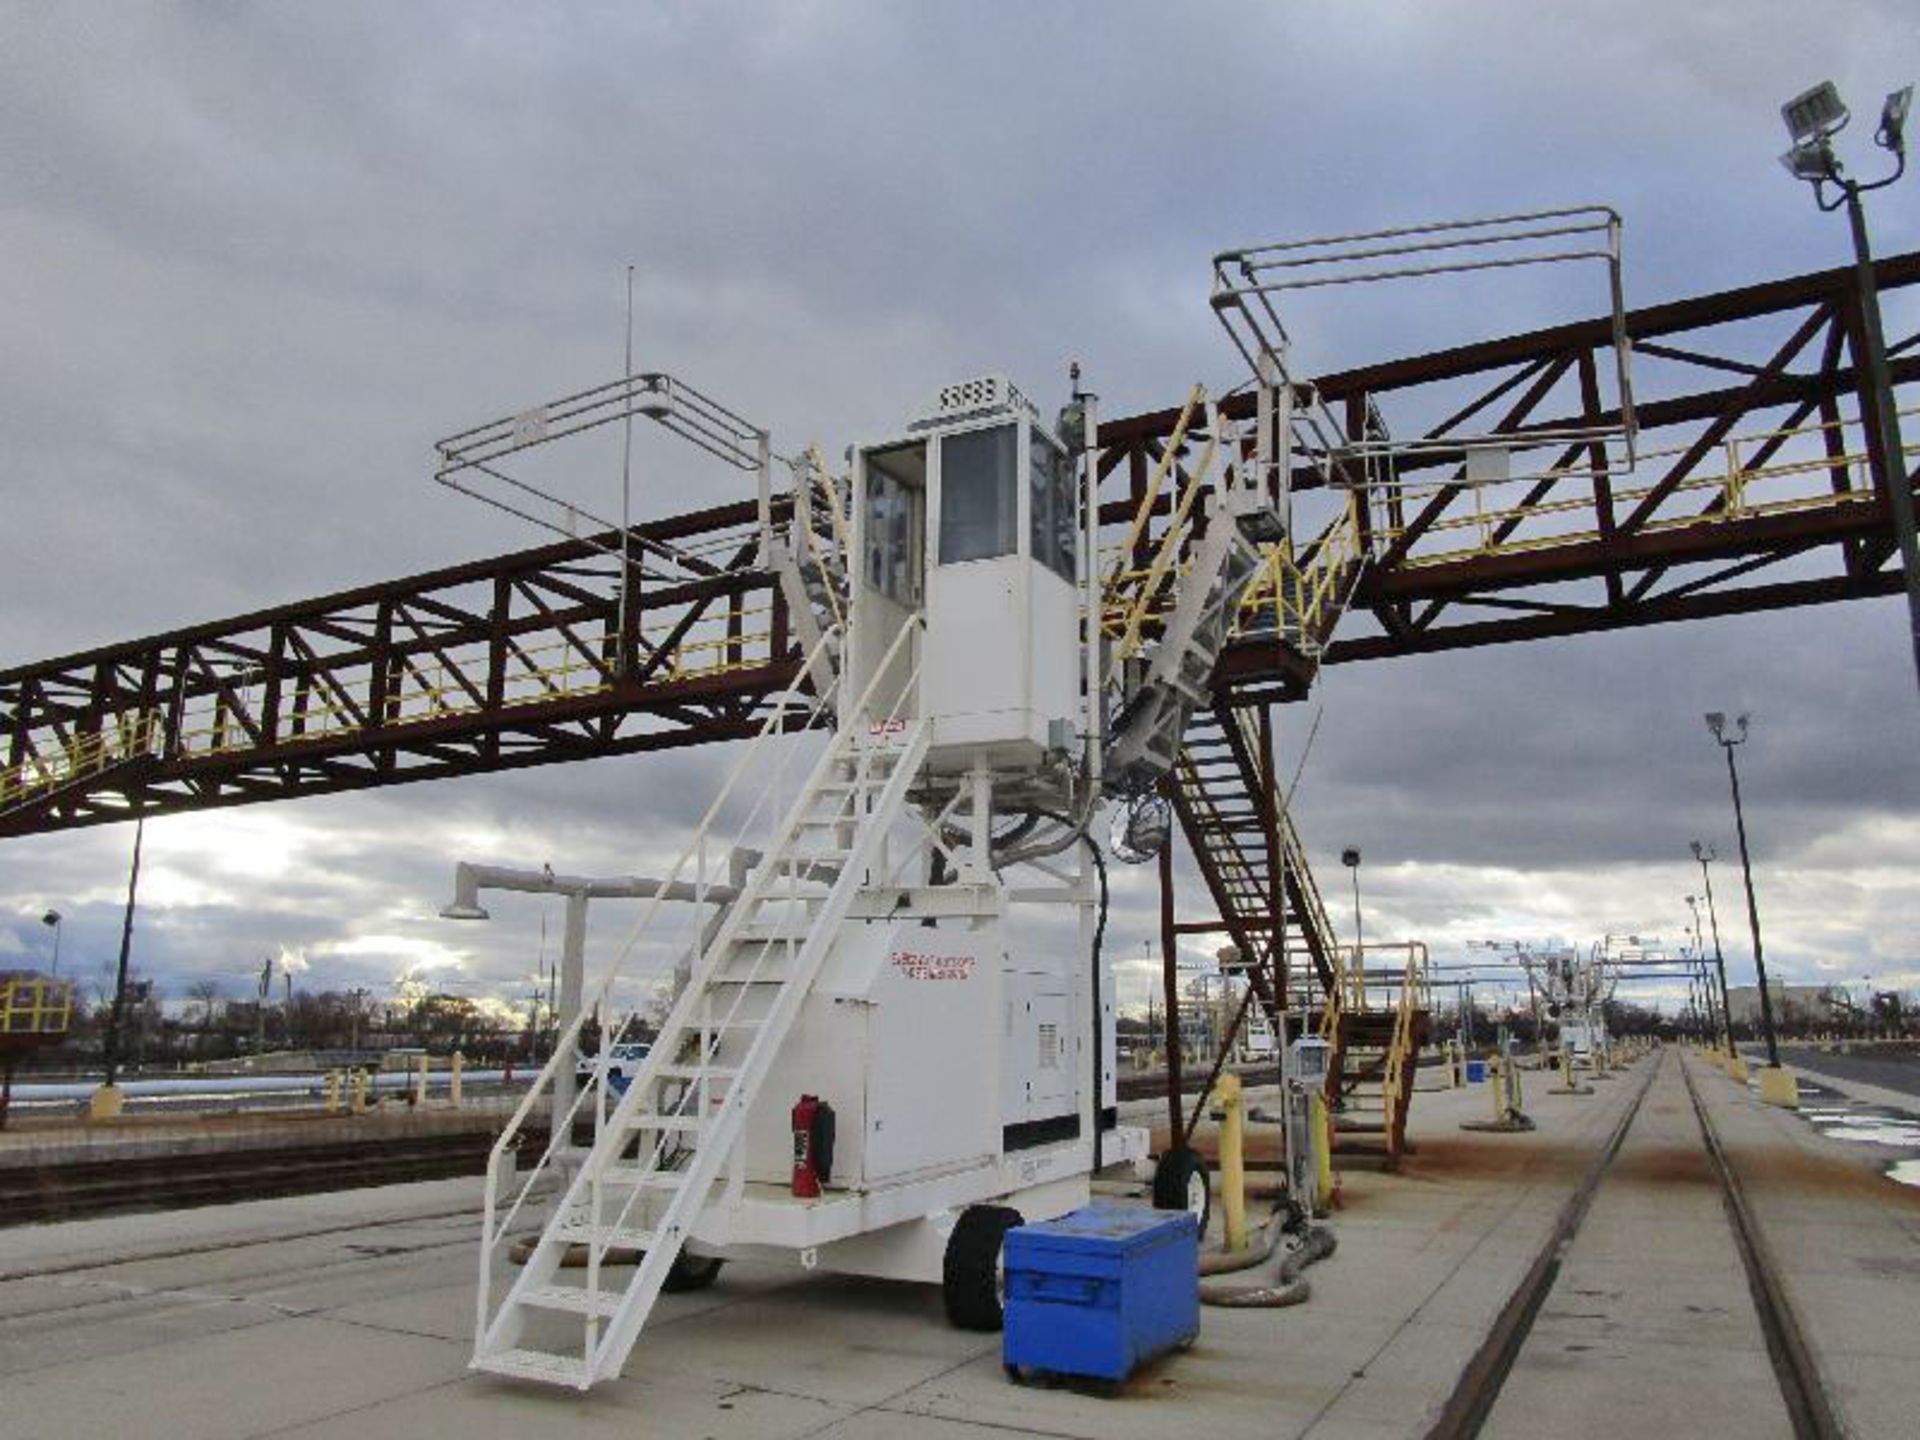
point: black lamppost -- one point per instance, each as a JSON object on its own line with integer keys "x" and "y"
{"x": 1350, "y": 857}
{"x": 1705, "y": 855}
{"x": 1717, "y": 723}
{"x": 52, "y": 920}
{"x": 1813, "y": 119}
{"x": 116, "y": 1017}
{"x": 1716, "y": 997}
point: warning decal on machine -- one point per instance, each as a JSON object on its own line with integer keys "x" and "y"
{"x": 919, "y": 965}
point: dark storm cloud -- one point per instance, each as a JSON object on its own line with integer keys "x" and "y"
{"x": 258, "y": 258}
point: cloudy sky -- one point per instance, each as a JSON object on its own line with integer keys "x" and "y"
{"x": 255, "y": 259}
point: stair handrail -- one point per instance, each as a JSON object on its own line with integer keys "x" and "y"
{"x": 1144, "y": 512}
{"x": 559, "y": 1137}
{"x": 812, "y": 469}
{"x": 1171, "y": 538}
{"x": 1413, "y": 988}
{"x": 1293, "y": 854}
{"x": 566, "y": 1043}
{"x": 680, "y": 1021}
{"x": 723, "y": 937}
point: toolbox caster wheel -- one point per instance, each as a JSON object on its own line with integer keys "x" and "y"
{"x": 1180, "y": 1182}
{"x": 972, "y": 1278}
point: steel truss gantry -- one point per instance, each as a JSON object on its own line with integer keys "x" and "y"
{"x": 1757, "y": 489}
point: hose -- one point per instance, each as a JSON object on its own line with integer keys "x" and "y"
{"x": 1291, "y": 1288}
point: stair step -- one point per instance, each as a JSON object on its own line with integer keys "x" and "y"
{"x": 569, "y": 1298}
{"x": 695, "y": 1072}
{"x": 641, "y": 1177}
{"x": 534, "y": 1365}
{"x": 675, "y": 1124}
{"x": 607, "y": 1237}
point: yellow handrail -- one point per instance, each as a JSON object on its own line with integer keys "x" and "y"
{"x": 35, "y": 1005}
{"x": 1733, "y": 488}
{"x": 125, "y": 737}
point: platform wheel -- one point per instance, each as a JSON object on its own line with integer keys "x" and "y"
{"x": 691, "y": 1272}
{"x": 1181, "y": 1182}
{"x": 973, "y": 1275}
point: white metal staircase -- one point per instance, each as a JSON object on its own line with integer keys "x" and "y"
{"x": 658, "y": 1156}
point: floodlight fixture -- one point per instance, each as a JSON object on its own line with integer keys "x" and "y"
{"x": 1717, "y": 723}
{"x": 1813, "y": 161}
{"x": 52, "y": 917}
{"x": 1815, "y": 114}
{"x": 465, "y": 912}
{"x": 1892, "y": 134}
{"x": 1350, "y": 857}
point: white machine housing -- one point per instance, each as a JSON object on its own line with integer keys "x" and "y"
{"x": 951, "y": 1029}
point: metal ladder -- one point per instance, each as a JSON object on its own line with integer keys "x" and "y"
{"x": 1227, "y": 810}
{"x": 656, "y": 1158}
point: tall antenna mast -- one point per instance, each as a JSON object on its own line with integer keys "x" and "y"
{"x": 626, "y": 492}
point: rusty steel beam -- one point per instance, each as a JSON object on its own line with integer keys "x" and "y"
{"x": 519, "y": 659}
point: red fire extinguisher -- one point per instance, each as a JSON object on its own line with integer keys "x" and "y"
{"x": 812, "y": 1146}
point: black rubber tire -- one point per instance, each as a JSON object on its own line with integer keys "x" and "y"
{"x": 970, "y": 1281}
{"x": 691, "y": 1272}
{"x": 1178, "y": 1178}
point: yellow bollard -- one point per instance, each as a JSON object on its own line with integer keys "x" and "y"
{"x": 358, "y": 1101}
{"x": 453, "y": 1082}
{"x": 1779, "y": 1087}
{"x": 420, "y": 1083}
{"x": 1322, "y": 1153}
{"x": 332, "y": 1101}
{"x": 1228, "y": 1108}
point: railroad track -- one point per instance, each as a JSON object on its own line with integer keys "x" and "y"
{"x": 1664, "y": 1151}
{"x": 75, "y": 1190}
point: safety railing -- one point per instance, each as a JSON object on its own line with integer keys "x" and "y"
{"x": 1303, "y": 603}
{"x": 1300, "y": 602}
{"x": 35, "y": 1005}
{"x": 724, "y": 642}
{"x": 1732, "y": 491}
{"x": 1414, "y": 995}
{"x": 125, "y": 737}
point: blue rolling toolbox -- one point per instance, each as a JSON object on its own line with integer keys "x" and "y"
{"x": 1096, "y": 1293}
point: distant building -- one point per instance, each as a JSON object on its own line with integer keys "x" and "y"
{"x": 1792, "y": 1004}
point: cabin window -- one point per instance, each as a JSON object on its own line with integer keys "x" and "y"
{"x": 978, "y": 498}
{"x": 1053, "y": 531}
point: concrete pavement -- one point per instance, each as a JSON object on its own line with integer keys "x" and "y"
{"x": 1649, "y": 1327}
{"x": 1844, "y": 1242}
{"x": 350, "y": 1316}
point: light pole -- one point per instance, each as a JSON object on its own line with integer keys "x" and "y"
{"x": 1350, "y": 857}
{"x": 1705, "y": 855}
{"x": 1717, "y": 723}
{"x": 1813, "y": 119}
{"x": 52, "y": 920}
{"x": 106, "y": 1103}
